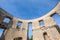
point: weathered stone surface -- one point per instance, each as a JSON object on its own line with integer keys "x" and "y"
{"x": 49, "y": 31}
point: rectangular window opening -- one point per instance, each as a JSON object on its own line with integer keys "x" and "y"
{"x": 56, "y": 18}
{"x": 41, "y": 23}
{"x": 30, "y": 31}
{"x": 1, "y": 31}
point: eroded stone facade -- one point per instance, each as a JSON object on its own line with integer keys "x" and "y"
{"x": 49, "y": 31}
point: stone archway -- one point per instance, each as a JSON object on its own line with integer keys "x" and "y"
{"x": 18, "y": 38}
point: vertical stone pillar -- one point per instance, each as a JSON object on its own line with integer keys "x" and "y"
{"x": 37, "y": 33}
{"x": 49, "y": 21}
{"x": 53, "y": 34}
{"x": 35, "y": 25}
{"x": 52, "y": 31}
{"x": 15, "y": 22}
{"x": 11, "y": 30}
{"x": 24, "y": 30}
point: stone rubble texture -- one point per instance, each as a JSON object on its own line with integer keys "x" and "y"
{"x": 49, "y": 31}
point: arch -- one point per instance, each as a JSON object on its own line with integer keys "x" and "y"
{"x": 18, "y": 38}
{"x": 44, "y": 34}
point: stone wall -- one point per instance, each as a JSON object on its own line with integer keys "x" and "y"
{"x": 13, "y": 31}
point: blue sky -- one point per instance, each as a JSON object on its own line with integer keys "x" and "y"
{"x": 28, "y": 9}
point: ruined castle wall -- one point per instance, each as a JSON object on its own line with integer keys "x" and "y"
{"x": 48, "y": 31}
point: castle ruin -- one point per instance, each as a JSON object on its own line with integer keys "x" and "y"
{"x": 49, "y": 31}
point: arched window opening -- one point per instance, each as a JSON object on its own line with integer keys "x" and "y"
{"x": 19, "y": 38}
{"x": 41, "y": 23}
{"x": 6, "y": 20}
{"x": 45, "y": 36}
